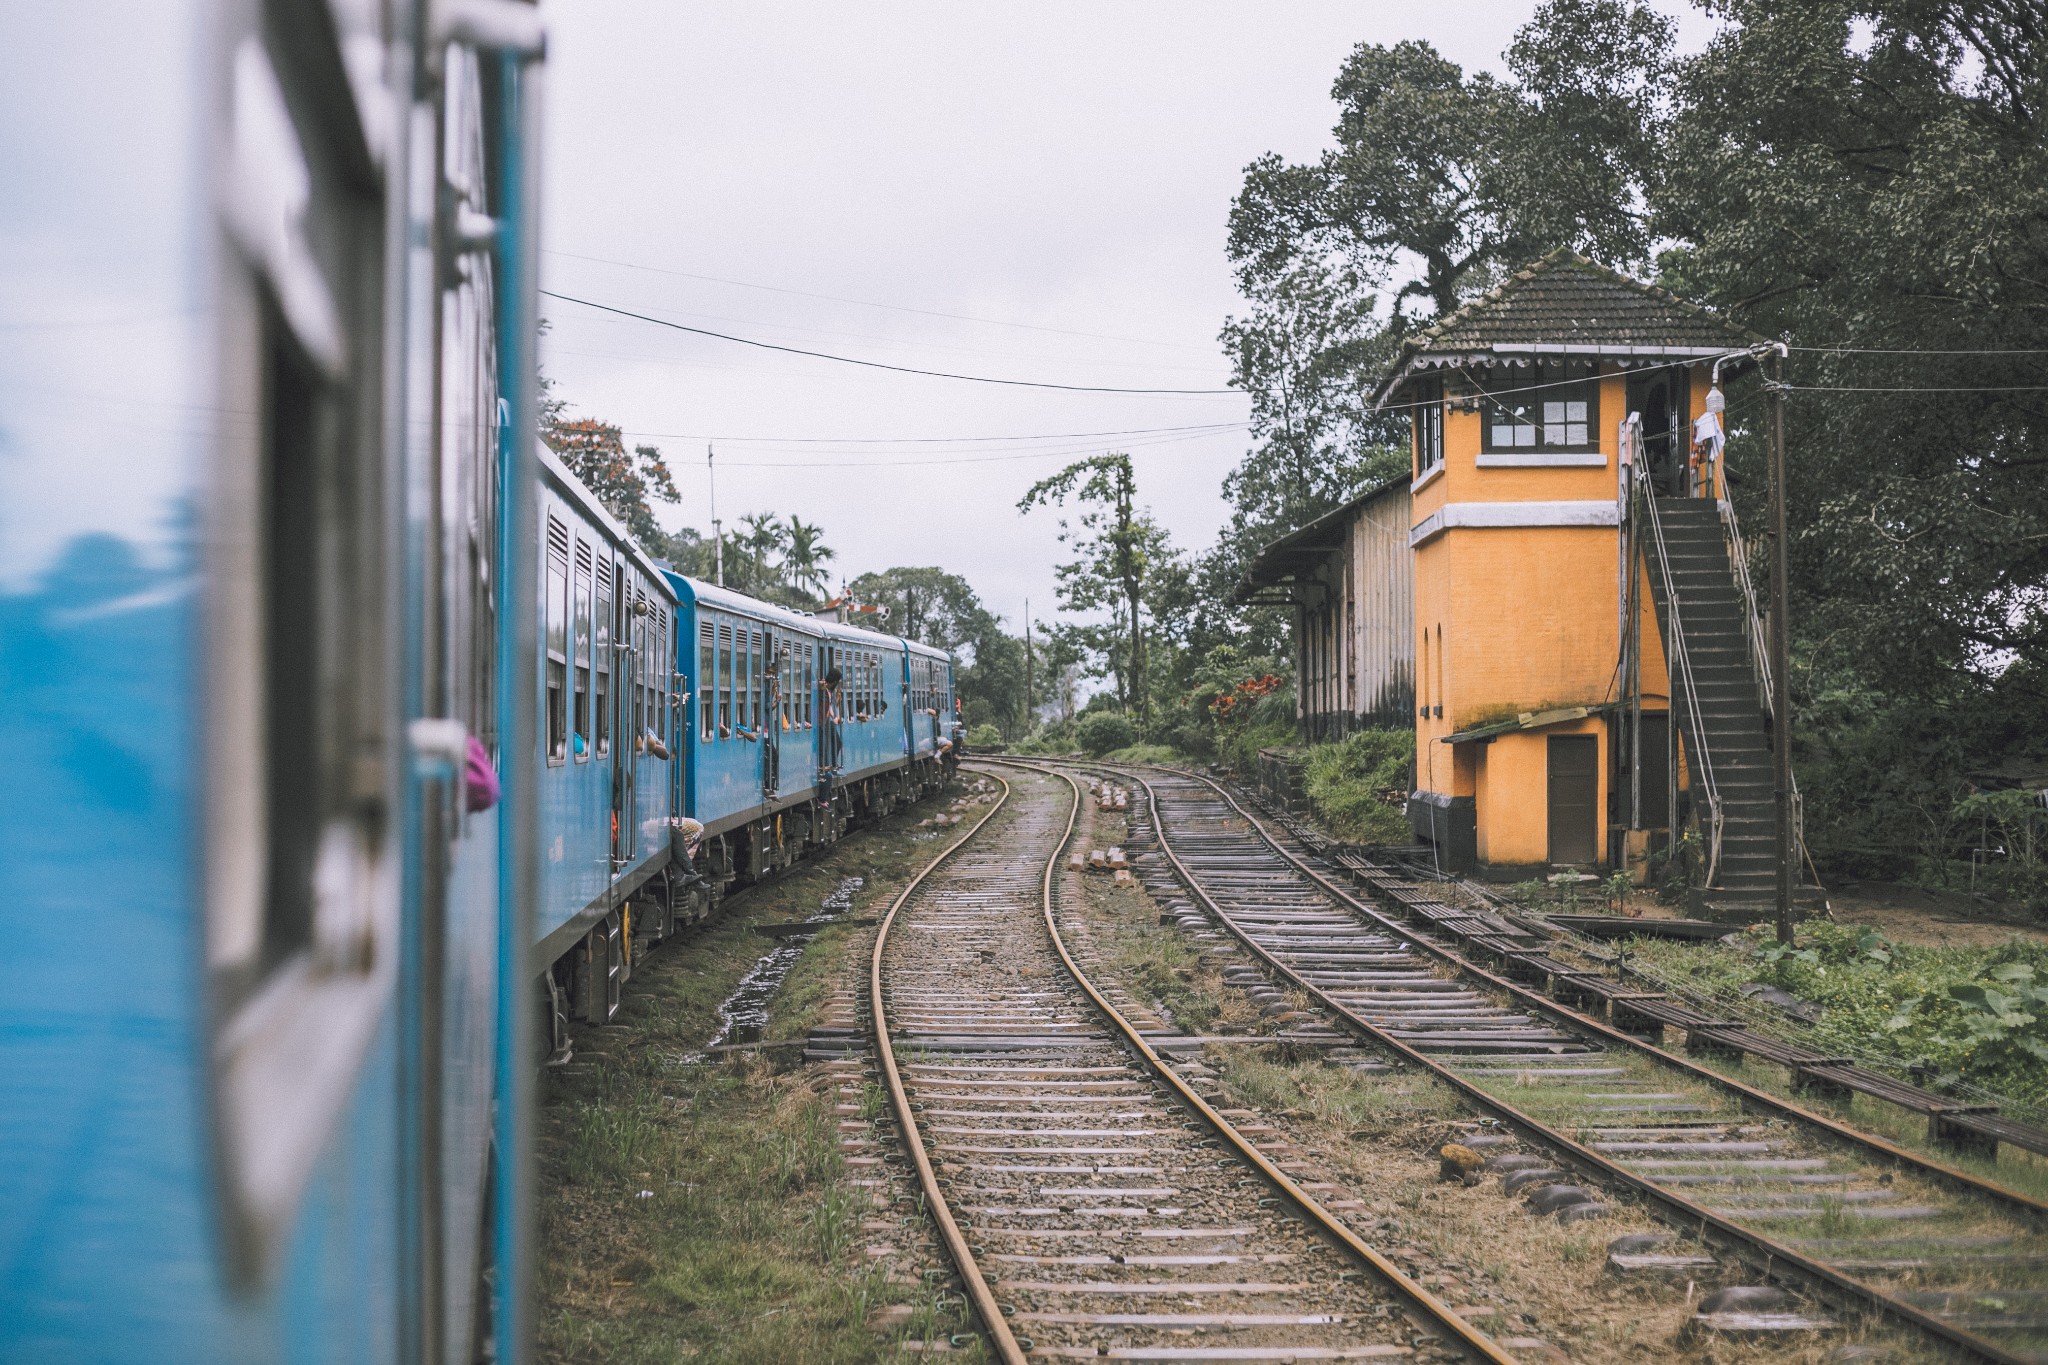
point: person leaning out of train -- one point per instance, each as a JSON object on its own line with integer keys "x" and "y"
{"x": 650, "y": 743}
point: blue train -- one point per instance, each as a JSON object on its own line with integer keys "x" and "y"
{"x": 353, "y": 754}
{"x": 665, "y": 697}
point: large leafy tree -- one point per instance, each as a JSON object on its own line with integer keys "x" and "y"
{"x": 942, "y": 609}
{"x": 1874, "y": 178}
{"x": 1867, "y": 179}
{"x": 623, "y": 480}
{"x": 1439, "y": 181}
{"x": 1117, "y": 543}
{"x": 805, "y": 555}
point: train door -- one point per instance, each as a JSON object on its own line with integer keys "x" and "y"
{"x": 770, "y": 701}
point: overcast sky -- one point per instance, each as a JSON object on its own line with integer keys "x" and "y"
{"x": 1022, "y": 192}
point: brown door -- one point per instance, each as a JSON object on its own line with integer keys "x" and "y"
{"x": 1574, "y": 799}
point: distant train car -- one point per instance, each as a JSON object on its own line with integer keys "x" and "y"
{"x": 268, "y": 323}
{"x": 767, "y": 771}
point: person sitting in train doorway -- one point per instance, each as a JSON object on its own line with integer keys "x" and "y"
{"x": 828, "y": 739}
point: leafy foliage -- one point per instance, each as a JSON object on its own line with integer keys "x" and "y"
{"x": 623, "y": 480}
{"x": 1975, "y": 1015}
{"x": 1117, "y": 543}
{"x": 1867, "y": 180}
{"x": 1098, "y": 732}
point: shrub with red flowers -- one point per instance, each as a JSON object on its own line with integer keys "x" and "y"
{"x": 1233, "y": 706}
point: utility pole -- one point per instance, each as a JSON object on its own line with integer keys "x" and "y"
{"x": 1027, "y": 666}
{"x": 1781, "y": 662}
{"x": 717, "y": 536}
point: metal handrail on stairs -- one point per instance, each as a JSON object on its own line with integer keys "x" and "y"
{"x": 1678, "y": 659}
{"x": 1759, "y": 646}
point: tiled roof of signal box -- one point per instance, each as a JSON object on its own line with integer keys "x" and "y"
{"x": 1566, "y": 304}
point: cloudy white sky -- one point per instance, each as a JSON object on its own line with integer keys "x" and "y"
{"x": 1019, "y": 191}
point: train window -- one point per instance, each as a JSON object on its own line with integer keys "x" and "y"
{"x": 640, "y": 671}
{"x": 555, "y": 623}
{"x": 724, "y": 681}
{"x": 302, "y": 765}
{"x": 601, "y": 652}
{"x": 707, "y": 670}
{"x": 757, "y": 682}
{"x": 580, "y": 712}
{"x": 664, "y": 651}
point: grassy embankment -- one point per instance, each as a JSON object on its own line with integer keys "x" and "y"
{"x": 701, "y": 1209}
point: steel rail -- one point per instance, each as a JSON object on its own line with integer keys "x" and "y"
{"x": 1430, "y": 1305}
{"x": 1537, "y": 1000}
{"x": 978, "y": 1292}
{"x": 1674, "y": 1208}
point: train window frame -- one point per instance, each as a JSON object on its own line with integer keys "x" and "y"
{"x": 663, "y": 681}
{"x": 300, "y": 767}
{"x": 725, "y": 667}
{"x": 581, "y": 592}
{"x": 640, "y": 672}
{"x": 554, "y": 625}
{"x": 601, "y": 657}
{"x": 707, "y": 675}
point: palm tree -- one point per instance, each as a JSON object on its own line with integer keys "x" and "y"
{"x": 762, "y": 538}
{"x": 804, "y": 553}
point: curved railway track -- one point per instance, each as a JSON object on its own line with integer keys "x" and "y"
{"x": 1866, "y": 1228}
{"x": 1095, "y": 1206}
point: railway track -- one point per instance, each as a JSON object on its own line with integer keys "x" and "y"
{"x": 1095, "y": 1205}
{"x": 1760, "y": 1191}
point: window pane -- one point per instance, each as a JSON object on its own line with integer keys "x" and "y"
{"x": 1554, "y": 412}
{"x": 1575, "y": 432}
{"x": 1525, "y": 436}
{"x": 1503, "y": 434}
{"x": 1575, "y": 412}
{"x": 707, "y": 672}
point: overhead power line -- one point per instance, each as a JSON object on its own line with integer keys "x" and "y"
{"x": 1916, "y": 388}
{"x": 870, "y": 303}
{"x": 1040, "y": 453}
{"x": 1197, "y": 428}
{"x": 1909, "y": 350}
{"x": 876, "y": 364}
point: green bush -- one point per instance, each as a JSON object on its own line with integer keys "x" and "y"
{"x": 1978, "y": 1015}
{"x": 984, "y": 736}
{"x": 1098, "y": 732}
{"x": 1359, "y": 785}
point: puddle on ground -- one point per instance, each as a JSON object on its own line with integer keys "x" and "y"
{"x": 744, "y": 1015}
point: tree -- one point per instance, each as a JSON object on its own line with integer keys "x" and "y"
{"x": 942, "y": 610}
{"x": 1868, "y": 180}
{"x": 1439, "y": 182}
{"x": 595, "y": 452}
{"x": 804, "y": 556}
{"x": 1117, "y": 543}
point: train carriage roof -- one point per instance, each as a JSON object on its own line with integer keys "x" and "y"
{"x": 574, "y": 491}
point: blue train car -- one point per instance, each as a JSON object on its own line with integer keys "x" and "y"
{"x": 605, "y": 733}
{"x": 263, "y": 572}
{"x": 767, "y": 771}
{"x": 340, "y": 727}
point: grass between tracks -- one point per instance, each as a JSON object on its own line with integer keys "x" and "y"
{"x": 700, "y": 1210}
